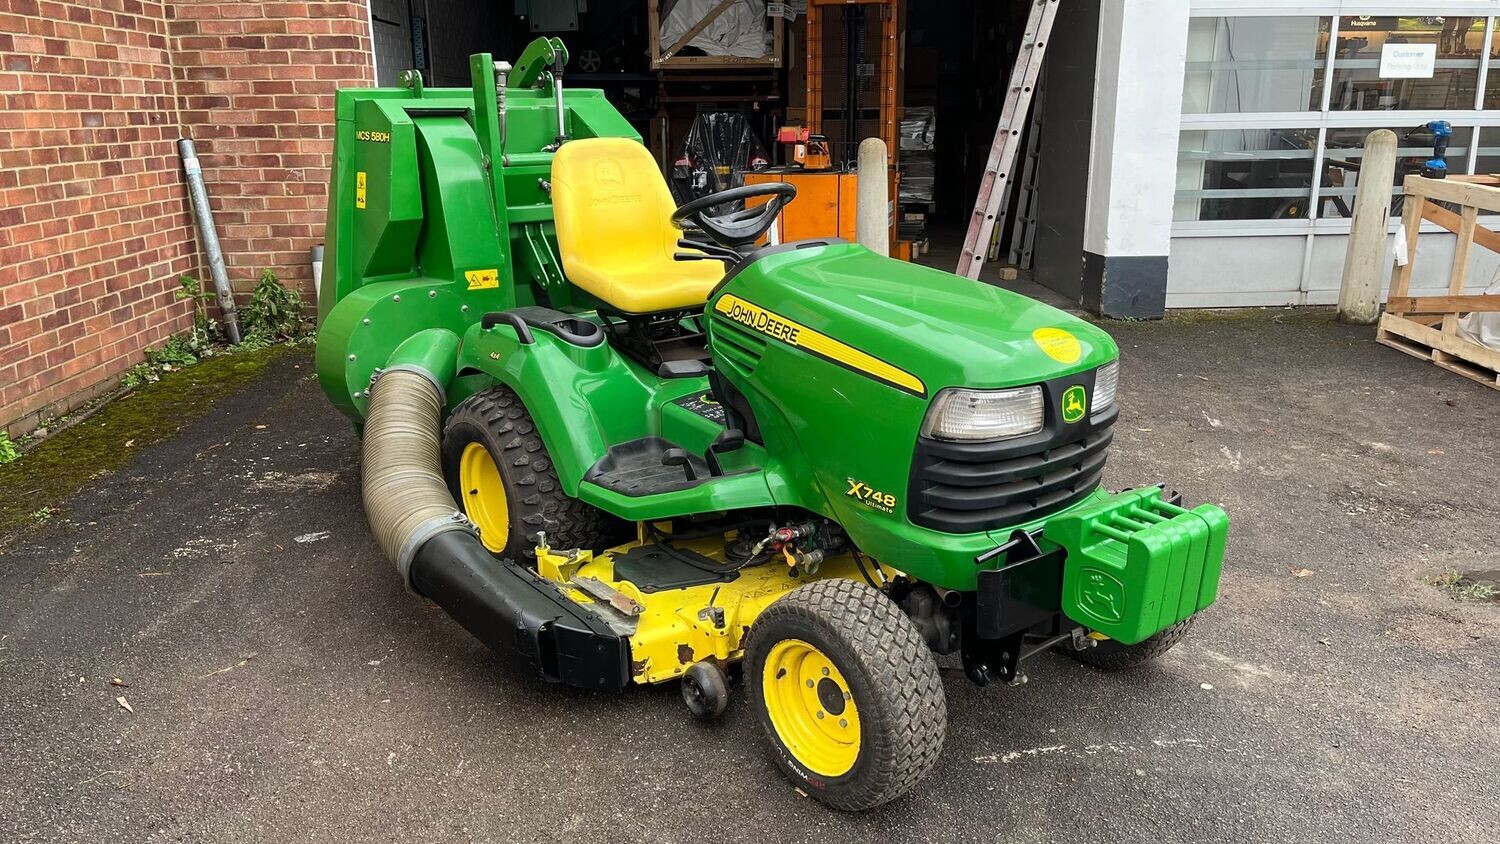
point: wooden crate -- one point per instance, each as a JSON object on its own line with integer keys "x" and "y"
{"x": 669, "y": 60}
{"x": 1427, "y": 326}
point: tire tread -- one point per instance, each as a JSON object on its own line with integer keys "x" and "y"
{"x": 528, "y": 470}
{"x": 909, "y": 708}
{"x": 1113, "y": 656}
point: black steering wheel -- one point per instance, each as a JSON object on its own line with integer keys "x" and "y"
{"x": 736, "y": 228}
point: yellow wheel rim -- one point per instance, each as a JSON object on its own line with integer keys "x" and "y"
{"x": 484, "y": 496}
{"x": 812, "y": 708}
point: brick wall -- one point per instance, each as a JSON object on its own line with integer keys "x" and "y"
{"x": 94, "y": 227}
{"x": 255, "y": 83}
{"x": 94, "y": 222}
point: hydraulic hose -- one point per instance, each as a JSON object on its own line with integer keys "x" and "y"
{"x": 406, "y": 499}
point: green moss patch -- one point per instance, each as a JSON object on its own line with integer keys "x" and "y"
{"x": 56, "y": 468}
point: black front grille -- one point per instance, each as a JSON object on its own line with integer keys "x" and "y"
{"x": 970, "y": 487}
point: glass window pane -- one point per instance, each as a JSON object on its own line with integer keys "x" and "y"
{"x": 1492, "y": 83}
{"x": 1252, "y": 64}
{"x": 1488, "y": 163}
{"x": 1244, "y": 174}
{"x": 1358, "y": 86}
{"x": 1345, "y": 150}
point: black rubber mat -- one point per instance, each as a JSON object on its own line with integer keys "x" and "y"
{"x": 635, "y": 468}
{"x": 653, "y": 569}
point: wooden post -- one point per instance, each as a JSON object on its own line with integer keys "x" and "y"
{"x": 1468, "y": 221}
{"x": 1365, "y": 261}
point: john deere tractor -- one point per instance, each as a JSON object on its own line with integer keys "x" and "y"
{"x": 623, "y": 443}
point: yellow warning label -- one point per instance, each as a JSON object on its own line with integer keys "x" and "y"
{"x": 359, "y": 189}
{"x": 1058, "y": 344}
{"x": 483, "y": 279}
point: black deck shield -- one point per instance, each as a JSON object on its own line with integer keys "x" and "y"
{"x": 519, "y": 615}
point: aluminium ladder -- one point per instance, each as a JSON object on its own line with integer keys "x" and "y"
{"x": 1023, "y": 236}
{"x": 996, "y": 178}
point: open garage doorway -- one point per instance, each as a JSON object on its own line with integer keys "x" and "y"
{"x": 953, "y": 69}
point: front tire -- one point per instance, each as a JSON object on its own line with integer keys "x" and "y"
{"x": 499, "y": 472}
{"x": 847, "y": 692}
{"x": 1110, "y": 655}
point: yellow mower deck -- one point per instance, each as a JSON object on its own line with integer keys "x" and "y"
{"x": 677, "y": 627}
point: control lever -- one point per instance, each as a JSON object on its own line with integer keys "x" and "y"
{"x": 729, "y": 439}
{"x": 711, "y": 251}
{"x": 678, "y": 457}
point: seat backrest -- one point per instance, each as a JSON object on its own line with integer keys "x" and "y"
{"x": 612, "y": 208}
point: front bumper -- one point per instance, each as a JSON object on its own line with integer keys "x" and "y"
{"x": 1137, "y": 563}
{"x": 1123, "y": 566}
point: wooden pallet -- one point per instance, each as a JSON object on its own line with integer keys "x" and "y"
{"x": 1485, "y": 373}
{"x": 1427, "y": 326}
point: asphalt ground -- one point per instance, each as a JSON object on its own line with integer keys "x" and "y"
{"x": 285, "y": 687}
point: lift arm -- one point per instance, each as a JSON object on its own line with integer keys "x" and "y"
{"x": 539, "y": 57}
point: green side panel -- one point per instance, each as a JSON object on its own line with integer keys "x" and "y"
{"x": 585, "y": 400}
{"x": 429, "y": 186}
{"x": 388, "y": 225}
{"x": 462, "y": 232}
{"x": 1137, "y": 564}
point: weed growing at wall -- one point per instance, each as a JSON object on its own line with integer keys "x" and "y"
{"x": 273, "y": 314}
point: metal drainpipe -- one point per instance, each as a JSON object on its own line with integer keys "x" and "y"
{"x": 210, "y": 236}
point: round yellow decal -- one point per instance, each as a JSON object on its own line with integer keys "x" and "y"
{"x": 1058, "y": 344}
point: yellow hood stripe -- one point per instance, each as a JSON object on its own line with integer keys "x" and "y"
{"x": 792, "y": 333}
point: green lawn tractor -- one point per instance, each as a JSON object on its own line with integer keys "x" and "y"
{"x": 621, "y": 443}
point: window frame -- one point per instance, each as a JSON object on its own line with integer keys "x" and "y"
{"x": 1466, "y": 122}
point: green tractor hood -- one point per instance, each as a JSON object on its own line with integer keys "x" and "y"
{"x": 946, "y": 330}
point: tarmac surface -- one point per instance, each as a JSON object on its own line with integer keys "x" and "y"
{"x": 285, "y": 687}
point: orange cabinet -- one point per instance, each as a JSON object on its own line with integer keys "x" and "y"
{"x": 824, "y": 207}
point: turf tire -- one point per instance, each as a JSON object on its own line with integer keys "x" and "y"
{"x": 499, "y": 420}
{"x": 891, "y": 674}
{"x": 1110, "y": 655}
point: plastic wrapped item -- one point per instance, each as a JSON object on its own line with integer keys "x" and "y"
{"x": 739, "y": 30}
{"x": 918, "y": 178}
{"x": 918, "y": 128}
{"x": 718, "y": 149}
{"x": 918, "y": 156}
{"x": 1483, "y": 327}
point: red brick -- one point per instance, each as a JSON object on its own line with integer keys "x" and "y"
{"x": 94, "y": 227}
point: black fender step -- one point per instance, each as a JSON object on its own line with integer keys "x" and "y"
{"x": 518, "y": 614}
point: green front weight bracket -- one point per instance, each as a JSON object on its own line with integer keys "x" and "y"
{"x": 1138, "y": 564}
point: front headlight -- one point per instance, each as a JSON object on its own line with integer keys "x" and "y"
{"x": 1106, "y": 382}
{"x": 979, "y": 415}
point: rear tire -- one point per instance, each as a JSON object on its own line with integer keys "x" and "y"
{"x": 847, "y": 692}
{"x": 524, "y": 497}
{"x": 1110, "y": 655}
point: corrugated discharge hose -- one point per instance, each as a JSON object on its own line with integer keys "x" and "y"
{"x": 438, "y": 552}
{"x": 406, "y": 499}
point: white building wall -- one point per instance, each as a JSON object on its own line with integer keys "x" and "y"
{"x": 1142, "y": 48}
{"x": 1227, "y": 263}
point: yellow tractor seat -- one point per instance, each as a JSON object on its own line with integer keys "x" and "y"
{"x": 614, "y": 229}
